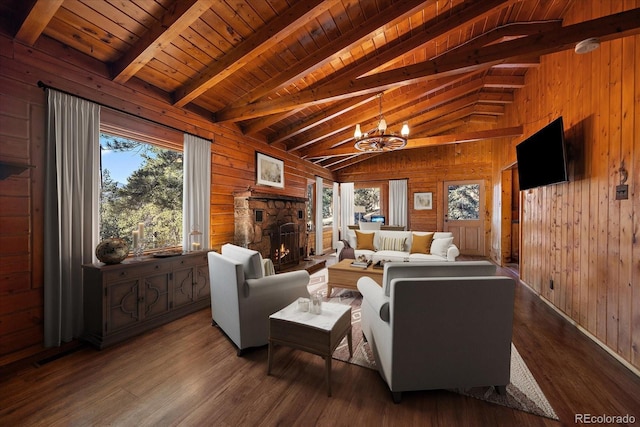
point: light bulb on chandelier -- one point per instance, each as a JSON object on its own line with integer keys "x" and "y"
{"x": 378, "y": 139}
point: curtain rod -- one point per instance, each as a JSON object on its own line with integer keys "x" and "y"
{"x": 44, "y": 86}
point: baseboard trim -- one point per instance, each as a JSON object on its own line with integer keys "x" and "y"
{"x": 588, "y": 334}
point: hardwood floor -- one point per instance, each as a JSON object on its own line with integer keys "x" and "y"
{"x": 187, "y": 373}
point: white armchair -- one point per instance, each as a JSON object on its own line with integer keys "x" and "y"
{"x": 243, "y": 298}
{"x": 439, "y": 325}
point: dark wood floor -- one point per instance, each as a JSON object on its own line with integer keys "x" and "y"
{"x": 187, "y": 373}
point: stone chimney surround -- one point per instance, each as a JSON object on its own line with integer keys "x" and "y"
{"x": 258, "y": 216}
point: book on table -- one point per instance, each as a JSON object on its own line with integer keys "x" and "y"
{"x": 361, "y": 264}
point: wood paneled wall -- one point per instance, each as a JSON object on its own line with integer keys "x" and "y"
{"x": 21, "y": 221}
{"x": 22, "y": 130}
{"x": 426, "y": 170}
{"x": 233, "y": 169}
{"x": 577, "y": 234}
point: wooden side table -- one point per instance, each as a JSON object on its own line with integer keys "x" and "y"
{"x": 314, "y": 333}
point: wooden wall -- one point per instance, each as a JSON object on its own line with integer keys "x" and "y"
{"x": 577, "y": 234}
{"x": 22, "y": 123}
{"x": 426, "y": 170}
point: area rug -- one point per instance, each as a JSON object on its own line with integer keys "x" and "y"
{"x": 523, "y": 394}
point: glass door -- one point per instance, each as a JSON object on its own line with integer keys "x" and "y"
{"x": 464, "y": 215}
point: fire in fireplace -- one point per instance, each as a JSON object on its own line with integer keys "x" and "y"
{"x": 281, "y": 252}
{"x": 286, "y": 239}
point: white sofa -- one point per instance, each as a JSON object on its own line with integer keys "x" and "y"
{"x": 442, "y": 247}
{"x": 243, "y": 298}
{"x": 439, "y": 325}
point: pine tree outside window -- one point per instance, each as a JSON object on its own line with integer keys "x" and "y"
{"x": 142, "y": 183}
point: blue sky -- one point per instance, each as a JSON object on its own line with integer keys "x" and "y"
{"x": 120, "y": 164}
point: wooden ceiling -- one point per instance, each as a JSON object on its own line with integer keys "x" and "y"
{"x": 302, "y": 73}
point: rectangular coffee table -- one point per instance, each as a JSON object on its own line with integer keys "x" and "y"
{"x": 343, "y": 275}
{"x": 314, "y": 333}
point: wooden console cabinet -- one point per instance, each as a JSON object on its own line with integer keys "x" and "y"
{"x": 126, "y": 299}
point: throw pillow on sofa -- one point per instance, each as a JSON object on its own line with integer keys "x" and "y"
{"x": 421, "y": 243}
{"x": 440, "y": 246}
{"x": 392, "y": 243}
{"x": 365, "y": 240}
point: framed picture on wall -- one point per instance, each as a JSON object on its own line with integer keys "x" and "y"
{"x": 269, "y": 171}
{"x": 422, "y": 201}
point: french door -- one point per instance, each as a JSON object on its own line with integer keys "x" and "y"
{"x": 464, "y": 215}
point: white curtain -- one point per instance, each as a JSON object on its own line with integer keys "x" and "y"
{"x": 398, "y": 199}
{"x": 196, "y": 197}
{"x": 336, "y": 215}
{"x": 346, "y": 207}
{"x": 71, "y": 211}
{"x": 319, "y": 185}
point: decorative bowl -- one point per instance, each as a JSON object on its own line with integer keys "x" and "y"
{"x": 112, "y": 250}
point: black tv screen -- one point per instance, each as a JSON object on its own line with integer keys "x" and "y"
{"x": 542, "y": 158}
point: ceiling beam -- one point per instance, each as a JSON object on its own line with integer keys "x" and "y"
{"x": 431, "y": 141}
{"x": 327, "y": 148}
{"x": 606, "y": 28}
{"x": 396, "y": 12}
{"x": 38, "y": 17}
{"x": 249, "y": 49}
{"x": 255, "y": 126}
{"x": 508, "y": 31}
{"x": 422, "y": 35}
{"x": 175, "y": 20}
{"x": 497, "y": 97}
{"x": 462, "y": 107}
{"x": 344, "y": 125}
{"x": 415, "y": 111}
{"x": 504, "y": 82}
{"x": 373, "y": 110}
{"x": 460, "y": 15}
{"x": 323, "y": 116}
{"x": 336, "y": 163}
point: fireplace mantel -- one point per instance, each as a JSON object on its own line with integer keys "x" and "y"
{"x": 255, "y": 195}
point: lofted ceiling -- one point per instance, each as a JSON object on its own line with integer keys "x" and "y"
{"x": 301, "y": 74}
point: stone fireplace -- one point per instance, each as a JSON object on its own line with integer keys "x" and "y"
{"x": 272, "y": 224}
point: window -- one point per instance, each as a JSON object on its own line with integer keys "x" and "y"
{"x": 463, "y": 202}
{"x": 366, "y": 203}
{"x": 141, "y": 184}
{"x": 327, "y": 206}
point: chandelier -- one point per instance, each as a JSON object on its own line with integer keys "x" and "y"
{"x": 378, "y": 139}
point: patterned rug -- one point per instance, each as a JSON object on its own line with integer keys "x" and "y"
{"x": 523, "y": 393}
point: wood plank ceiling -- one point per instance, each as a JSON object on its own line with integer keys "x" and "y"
{"x": 302, "y": 73}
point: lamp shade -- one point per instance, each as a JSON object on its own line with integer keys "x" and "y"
{"x": 358, "y": 133}
{"x": 405, "y": 130}
{"x": 382, "y": 126}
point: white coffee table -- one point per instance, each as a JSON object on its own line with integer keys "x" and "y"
{"x": 314, "y": 333}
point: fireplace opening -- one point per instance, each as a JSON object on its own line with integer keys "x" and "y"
{"x": 285, "y": 242}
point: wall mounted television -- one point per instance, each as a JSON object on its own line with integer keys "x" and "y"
{"x": 542, "y": 158}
